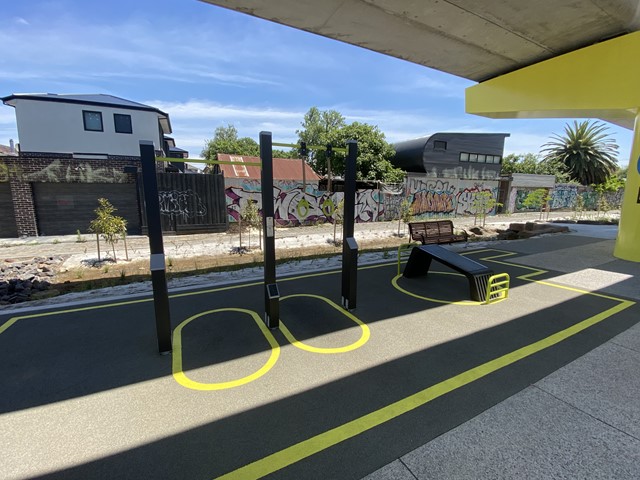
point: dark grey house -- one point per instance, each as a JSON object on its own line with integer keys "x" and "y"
{"x": 453, "y": 155}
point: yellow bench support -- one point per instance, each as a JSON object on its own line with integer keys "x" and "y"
{"x": 403, "y": 249}
{"x": 497, "y": 288}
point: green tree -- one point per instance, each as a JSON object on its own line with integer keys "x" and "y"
{"x": 483, "y": 202}
{"x": 586, "y": 150}
{"x": 108, "y": 225}
{"x": 317, "y": 125}
{"x": 518, "y": 163}
{"x": 330, "y": 127}
{"x": 532, "y": 164}
{"x": 250, "y": 216}
{"x": 225, "y": 140}
{"x": 406, "y": 213}
{"x": 610, "y": 185}
{"x": 537, "y": 199}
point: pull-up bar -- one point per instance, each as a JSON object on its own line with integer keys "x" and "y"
{"x": 311, "y": 147}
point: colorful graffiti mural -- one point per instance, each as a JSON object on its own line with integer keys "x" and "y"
{"x": 437, "y": 197}
{"x": 295, "y": 205}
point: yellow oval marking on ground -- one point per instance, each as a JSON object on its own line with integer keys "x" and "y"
{"x": 181, "y": 377}
{"x": 364, "y": 338}
{"x": 394, "y": 282}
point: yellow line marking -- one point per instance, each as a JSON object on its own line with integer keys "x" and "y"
{"x": 185, "y": 381}
{"x": 325, "y": 440}
{"x": 318, "y": 443}
{"x": 394, "y": 282}
{"x": 5, "y": 326}
{"x": 364, "y": 337}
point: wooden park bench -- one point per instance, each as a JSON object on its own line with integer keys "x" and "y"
{"x": 438, "y": 231}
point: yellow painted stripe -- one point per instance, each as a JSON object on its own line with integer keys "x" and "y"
{"x": 5, "y": 326}
{"x": 318, "y": 443}
{"x": 185, "y": 381}
{"x": 394, "y": 282}
{"x": 364, "y": 337}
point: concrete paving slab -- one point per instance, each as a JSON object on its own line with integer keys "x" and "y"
{"x": 558, "y": 256}
{"x": 603, "y": 385}
{"x": 531, "y": 435}
{"x": 629, "y": 339}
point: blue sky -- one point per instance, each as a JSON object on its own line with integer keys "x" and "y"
{"x": 209, "y": 67}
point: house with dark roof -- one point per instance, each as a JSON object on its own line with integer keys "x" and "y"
{"x": 73, "y": 150}
{"x": 94, "y": 125}
{"x": 445, "y": 171}
{"x": 453, "y": 155}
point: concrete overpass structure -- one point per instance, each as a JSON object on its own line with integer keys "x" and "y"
{"x": 542, "y": 59}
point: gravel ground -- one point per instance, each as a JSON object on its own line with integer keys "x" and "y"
{"x": 76, "y": 254}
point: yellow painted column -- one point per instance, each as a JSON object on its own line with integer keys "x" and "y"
{"x": 628, "y": 241}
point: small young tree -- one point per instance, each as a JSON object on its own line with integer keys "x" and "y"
{"x": 338, "y": 217}
{"x": 107, "y": 225}
{"x": 406, "y": 214}
{"x": 483, "y": 202}
{"x": 251, "y": 216}
{"x": 537, "y": 199}
{"x": 610, "y": 185}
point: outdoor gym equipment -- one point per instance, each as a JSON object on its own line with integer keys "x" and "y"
{"x": 271, "y": 292}
{"x": 477, "y": 274}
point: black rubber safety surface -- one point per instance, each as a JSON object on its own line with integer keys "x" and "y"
{"x": 62, "y": 354}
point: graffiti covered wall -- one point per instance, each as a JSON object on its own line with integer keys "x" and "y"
{"x": 564, "y": 196}
{"x": 295, "y": 205}
{"x": 431, "y": 197}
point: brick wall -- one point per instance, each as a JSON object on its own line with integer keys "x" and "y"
{"x": 29, "y": 168}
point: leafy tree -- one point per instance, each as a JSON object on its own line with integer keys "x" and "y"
{"x": 610, "y": 185}
{"x": 512, "y": 163}
{"x": 532, "y": 164}
{"x": 374, "y": 153}
{"x": 586, "y": 150}
{"x": 225, "y": 140}
{"x": 537, "y": 199}
{"x": 406, "y": 213}
{"x": 251, "y": 217}
{"x": 482, "y": 203}
{"x": 108, "y": 225}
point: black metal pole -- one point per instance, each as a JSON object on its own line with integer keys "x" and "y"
{"x": 156, "y": 259}
{"x": 349, "y": 244}
{"x": 271, "y": 292}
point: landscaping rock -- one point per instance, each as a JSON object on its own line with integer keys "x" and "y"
{"x": 22, "y": 281}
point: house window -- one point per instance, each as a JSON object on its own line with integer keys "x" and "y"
{"x": 482, "y": 158}
{"x": 464, "y": 157}
{"x": 122, "y": 123}
{"x": 473, "y": 157}
{"x": 439, "y": 145}
{"x": 92, "y": 121}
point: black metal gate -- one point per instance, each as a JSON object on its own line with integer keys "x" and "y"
{"x": 7, "y": 217}
{"x": 65, "y": 208}
{"x": 189, "y": 203}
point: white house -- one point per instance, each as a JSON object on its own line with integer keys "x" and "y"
{"x": 86, "y": 125}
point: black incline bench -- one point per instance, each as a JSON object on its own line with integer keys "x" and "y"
{"x": 477, "y": 274}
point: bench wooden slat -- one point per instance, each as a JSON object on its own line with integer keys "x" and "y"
{"x": 439, "y": 231}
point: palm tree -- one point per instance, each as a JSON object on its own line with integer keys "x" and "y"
{"x": 586, "y": 150}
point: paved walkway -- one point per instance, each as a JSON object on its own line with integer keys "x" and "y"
{"x": 582, "y": 421}
{"x": 416, "y": 382}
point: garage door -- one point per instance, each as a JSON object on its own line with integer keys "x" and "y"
{"x": 65, "y": 208}
{"x": 7, "y": 218}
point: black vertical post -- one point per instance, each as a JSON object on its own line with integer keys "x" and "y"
{"x": 271, "y": 293}
{"x": 156, "y": 259}
{"x": 349, "y": 244}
